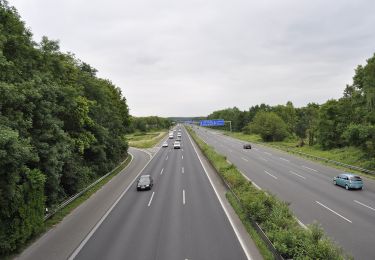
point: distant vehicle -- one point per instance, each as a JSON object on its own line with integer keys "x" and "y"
{"x": 165, "y": 144}
{"x": 176, "y": 145}
{"x": 178, "y": 138}
{"x": 170, "y": 135}
{"x": 349, "y": 181}
{"x": 247, "y": 146}
{"x": 145, "y": 182}
{"x": 179, "y": 134}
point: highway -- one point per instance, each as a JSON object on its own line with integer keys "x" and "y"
{"x": 180, "y": 218}
{"x": 348, "y": 217}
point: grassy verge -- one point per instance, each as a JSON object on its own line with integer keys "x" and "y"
{"x": 55, "y": 219}
{"x": 273, "y": 215}
{"x": 263, "y": 249}
{"x": 145, "y": 140}
{"x": 347, "y": 155}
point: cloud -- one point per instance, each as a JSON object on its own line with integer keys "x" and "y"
{"x": 182, "y": 58}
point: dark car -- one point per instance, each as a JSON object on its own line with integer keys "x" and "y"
{"x": 247, "y": 146}
{"x": 145, "y": 182}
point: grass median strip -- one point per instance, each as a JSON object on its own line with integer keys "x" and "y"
{"x": 272, "y": 215}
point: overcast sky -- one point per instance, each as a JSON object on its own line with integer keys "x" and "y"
{"x": 189, "y": 58}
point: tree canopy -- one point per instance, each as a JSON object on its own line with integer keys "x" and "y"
{"x": 61, "y": 127}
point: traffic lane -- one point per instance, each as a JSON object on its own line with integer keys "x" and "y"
{"x": 277, "y": 176}
{"x": 324, "y": 170}
{"x": 303, "y": 165}
{"x": 206, "y": 222}
{"x": 126, "y": 218}
{"x": 166, "y": 214}
{"x": 54, "y": 243}
{"x": 166, "y": 210}
{"x": 332, "y": 222}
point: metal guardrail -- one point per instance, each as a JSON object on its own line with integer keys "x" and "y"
{"x": 74, "y": 197}
{"x": 351, "y": 167}
{"x": 255, "y": 225}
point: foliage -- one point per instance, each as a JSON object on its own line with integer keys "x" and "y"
{"x": 348, "y": 121}
{"x": 269, "y": 126}
{"x": 61, "y": 127}
{"x": 277, "y": 221}
{"x": 150, "y": 123}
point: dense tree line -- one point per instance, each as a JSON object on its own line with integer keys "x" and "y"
{"x": 60, "y": 128}
{"x": 149, "y": 123}
{"x": 348, "y": 121}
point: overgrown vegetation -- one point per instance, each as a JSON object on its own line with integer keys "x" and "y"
{"x": 149, "y": 124}
{"x": 289, "y": 238}
{"x": 346, "y": 122}
{"x": 61, "y": 127}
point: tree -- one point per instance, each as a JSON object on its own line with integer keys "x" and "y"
{"x": 269, "y": 126}
{"x": 288, "y": 114}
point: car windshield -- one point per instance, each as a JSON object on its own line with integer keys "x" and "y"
{"x": 355, "y": 178}
{"x": 144, "y": 180}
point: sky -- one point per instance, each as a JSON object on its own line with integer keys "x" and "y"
{"x": 190, "y": 58}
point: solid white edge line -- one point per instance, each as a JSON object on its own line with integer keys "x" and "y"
{"x": 245, "y": 249}
{"x": 292, "y": 172}
{"x": 273, "y": 176}
{"x": 144, "y": 150}
{"x": 255, "y": 185}
{"x": 281, "y": 158}
{"x": 259, "y": 188}
{"x": 300, "y": 223}
{"x": 246, "y": 160}
{"x": 152, "y": 196}
{"x": 333, "y": 211}
{"x": 360, "y": 203}
{"x": 183, "y": 197}
{"x": 97, "y": 225}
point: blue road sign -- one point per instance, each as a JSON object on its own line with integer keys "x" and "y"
{"x": 213, "y": 122}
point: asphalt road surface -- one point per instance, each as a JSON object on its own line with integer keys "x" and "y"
{"x": 348, "y": 217}
{"x": 60, "y": 241}
{"x": 180, "y": 218}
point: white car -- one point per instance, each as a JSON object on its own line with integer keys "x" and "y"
{"x": 165, "y": 144}
{"x": 178, "y": 134}
{"x": 176, "y": 145}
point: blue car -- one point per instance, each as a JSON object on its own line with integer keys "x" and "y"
{"x": 349, "y": 181}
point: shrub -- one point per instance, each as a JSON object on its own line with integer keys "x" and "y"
{"x": 273, "y": 215}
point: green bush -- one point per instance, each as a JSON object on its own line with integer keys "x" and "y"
{"x": 24, "y": 217}
{"x": 274, "y": 216}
